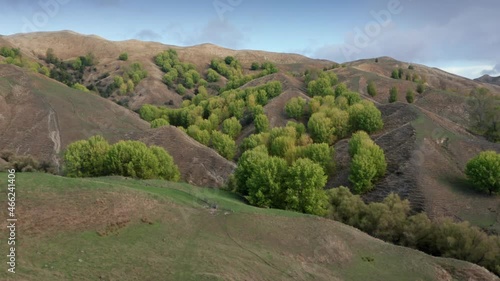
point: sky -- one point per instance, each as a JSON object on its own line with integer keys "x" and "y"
{"x": 458, "y": 36}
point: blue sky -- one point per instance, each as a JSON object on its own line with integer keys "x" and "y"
{"x": 460, "y": 36}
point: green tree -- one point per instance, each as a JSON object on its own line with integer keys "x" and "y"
{"x": 372, "y": 91}
{"x": 320, "y": 127}
{"x": 181, "y": 90}
{"x": 320, "y": 87}
{"x": 201, "y": 136}
{"x": 281, "y": 145}
{"x": 254, "y": 66}
{"x": 362, "y": 173}
{"x": 410, "y": 96}
{"x": 223, "y": 144}
{"x": 160, "y": 122}
{"x": 294, "y": 108}
{"x": 86, "y": 158}
{"x": 340, "y": 89}
{"x": 395, "y": 74}
{"x": 261, "y": 123}
{"x": 357, "y": 141}
{"x": 365, "y": 116}
{"x": 393, "y": 95}
{"x": 123, "y": 56}
{"x": 231, "y": 127}
{"x": 420, "y": 88}
{"x": 249, "y": 162}
{"x": 483, "y": 171}
{"x": 319, "y": 153}
{"x": 265, "y": 183}
{"x": 400, "y": 73}
{"x": 212, "y": 75}
{"x": 167, "y": 169}
{"x": 80, "y": 87}
{"x": 304, "y": 184}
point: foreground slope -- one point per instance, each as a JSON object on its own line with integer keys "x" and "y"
{"x": 123, "y": 229}
{"x": 40, "y": 117}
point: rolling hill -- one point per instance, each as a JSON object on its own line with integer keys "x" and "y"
{"x": 121, "y": 229}
{"x": 427, "y": 145}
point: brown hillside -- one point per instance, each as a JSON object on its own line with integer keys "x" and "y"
{"x": 40, "y": 117}
{"x": 198, "y": 164}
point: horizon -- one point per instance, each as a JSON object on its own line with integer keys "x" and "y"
{"x": 456, "y": 37}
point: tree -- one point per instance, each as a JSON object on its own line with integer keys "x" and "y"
{"x": 254, "y": 66}
{"x": 372, "y": 91}
{"x": 393, "y": 95}
{"x": 261, "y": 123}
{"x": 340, "y": 89}
{"x": 320, "y": 87}
{"x": 167, "y": 169}
{"x": 483, "y": 171}
{"x": 229, "y": 59}
{"x": 420, "y": 88}
{"x": 249, "y": 162}
{"x": 212, "y": 75}
{"x": 365, "y": 116}
{"x": 80, "y": 87}
{"x": 395, "y": 74}
{"x": 265, "y": 183}
{"x": 181, "y": 90}
{"x": 319, "y": 153}
{"x": 231, "y": 127}
{"x": 223, "y": 144}
{"x": 410, "y": 96}
{"x": 281, "y": 145}
{"x": 357, "y": 141}
{"x": 160, "y": 122}
{"x": 362, "y": 173}
{"x": 86, "y": 158}
{"x": 411, "y": 67}
{"x": 123, "y": 56}
{"x": 304, "y": 184}
{"x": 320, "y": 127}
{"x": 400, "y": 73}
{"x": 294, "y": 108}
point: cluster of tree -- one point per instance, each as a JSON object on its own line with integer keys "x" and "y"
{"x": 332, "y": 118}
{"x": 390, "y": 220}
{"x": 130, "y": 78}
{"x": 367, "y": 162}
{"x": 270, "y": 182}
{"x": 178, "y": 75}
{"x": 96, "y": 157}
{"x": 206, "y": 117}
{"x": 484, "y": 113}
{"x": 292, "y": 143}
{"x": 320, "y": 83}
{"x": 397, "y": 73}
{"x": 69, "y": 72}
{"x": 483, "y": 171}
{"x": 231, "y": 69}
{"x": 14, "y": 56}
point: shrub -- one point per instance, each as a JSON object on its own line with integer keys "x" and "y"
{"x": 410, "y": 96}
{"x": 80, "y": 87}
{"x": 160, "y": 122}
{"x": 393, "y": 95}
{"x": 181, "y": 90}
{"x": 420, "y": 88}
{"x": 254, "y": 66}
{"x": 358, "y": 140}
{"x": 372, "y": 91}
{"x": 212, "y": 75}
{"x": 395, "y": 74}
{"x": 294, "y": 108}
{"x": 319, "y": 153}
{"x": 166, "y": 167}
{"x": 483, "y": 171}
{"x": 123, "y": 56}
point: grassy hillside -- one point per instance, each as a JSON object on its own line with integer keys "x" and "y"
{"x": 121, "y": 229}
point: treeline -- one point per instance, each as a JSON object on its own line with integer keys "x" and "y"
{"x": 216, "y": 120}
{"x": 390, "y": 220}
{"x": 96, "y": 157}
{"x": 14, "y": 56}
{"x": 69, "y": 72}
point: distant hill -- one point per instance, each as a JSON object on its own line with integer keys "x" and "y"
{"x": 489, "y": 79}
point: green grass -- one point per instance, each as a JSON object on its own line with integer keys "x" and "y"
{"x": 186, "y": 240}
